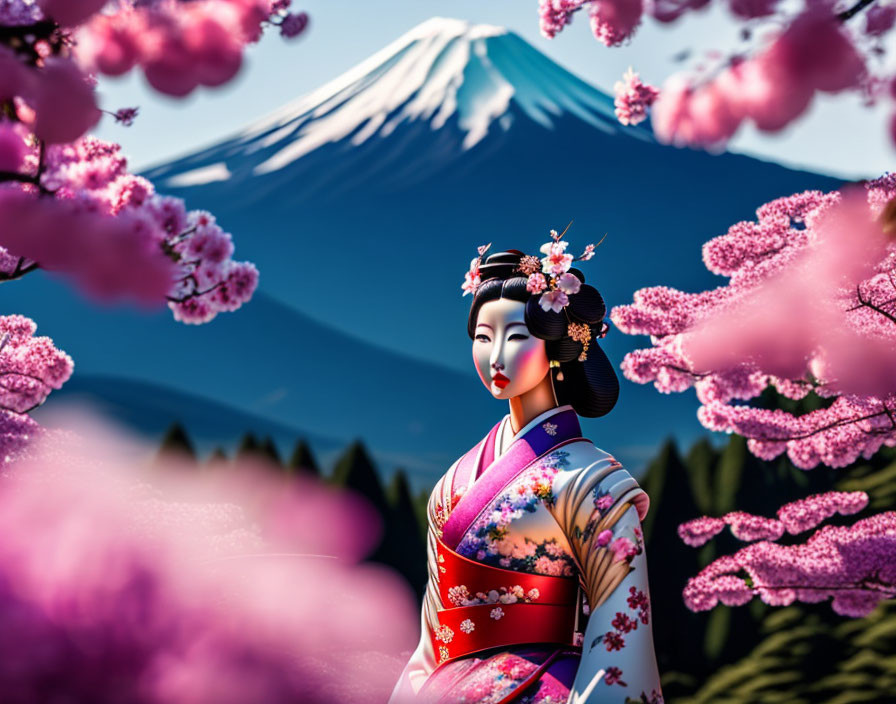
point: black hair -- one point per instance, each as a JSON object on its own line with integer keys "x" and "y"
{"x": 590, "y": 387}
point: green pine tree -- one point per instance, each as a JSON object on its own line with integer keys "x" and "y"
{"x": 302, "y": 460}
{"x": 176, "y": 443}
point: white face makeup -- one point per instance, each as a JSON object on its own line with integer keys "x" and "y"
{"x": 510, "y": 360}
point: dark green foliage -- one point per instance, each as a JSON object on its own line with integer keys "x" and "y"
{"x": 757, "y": 654}
{"x": 354, "y": 470}
{"x": 302, "y": 461}
{"x": 249, "y": 445}
{"x": 216, "y": 456}
{"x": 251, "y": 449}
{"x": 270, "y": 451}
{"x": 754, "y": 654}
{"x": 176, "y": 442}
{"x": 402, "y": 545}
{"x": 408, "y": 544}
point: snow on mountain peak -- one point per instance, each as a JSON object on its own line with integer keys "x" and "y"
{"x": 443, "y": 69}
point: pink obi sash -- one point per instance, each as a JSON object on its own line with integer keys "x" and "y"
{"x": 544, "y": 610}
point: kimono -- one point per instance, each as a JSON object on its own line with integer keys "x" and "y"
{"x": 537, "y": 588}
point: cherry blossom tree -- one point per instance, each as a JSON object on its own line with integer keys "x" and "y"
{"x": 68, "y": 204}
{"x": 825, "y": 46}
{"x": 851, "y": 565}
{"x": 808, "y": 312}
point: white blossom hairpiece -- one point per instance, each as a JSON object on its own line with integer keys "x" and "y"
{"x": 549, "y": 276}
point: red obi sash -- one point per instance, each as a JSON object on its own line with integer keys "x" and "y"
{"x": 545, "y": 609}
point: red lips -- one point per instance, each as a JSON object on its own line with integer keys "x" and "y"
{"x": 500, "y": 380}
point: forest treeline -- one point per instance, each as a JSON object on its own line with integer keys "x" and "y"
{"x": 753, "y": 654}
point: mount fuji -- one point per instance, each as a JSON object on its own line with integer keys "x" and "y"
{"x": 362, "y": 204}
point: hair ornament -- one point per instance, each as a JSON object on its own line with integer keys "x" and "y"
{"x": 554, "y": 281}
{"x": 580, "y": 333}
{"x": 550, "y": 276}
{"x": 472, "y": 278}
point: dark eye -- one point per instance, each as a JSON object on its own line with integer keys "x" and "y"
{"x": 518, "y": 336}
{"x": 482, "y": 338}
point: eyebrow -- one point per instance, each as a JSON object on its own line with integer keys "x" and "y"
{"x": 515, "y": 323}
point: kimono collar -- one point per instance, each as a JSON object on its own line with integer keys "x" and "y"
{"x": 537, "y": 420}
{"x": 554, "y": 427}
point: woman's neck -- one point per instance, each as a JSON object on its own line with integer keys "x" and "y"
{"x": 534, "y": 402}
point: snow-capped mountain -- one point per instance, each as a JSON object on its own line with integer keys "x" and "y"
{"x": 478, "y": 79}
{"x": 362, "y": 204}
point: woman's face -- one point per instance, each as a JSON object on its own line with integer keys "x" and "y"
{"x": 510, "y": 360}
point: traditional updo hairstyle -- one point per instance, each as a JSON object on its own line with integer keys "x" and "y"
{"x": 590, "y": 387}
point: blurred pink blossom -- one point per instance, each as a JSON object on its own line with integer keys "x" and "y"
{"x": 614, "y": 21}
{"x": 125, "y": 582}
{"x": 812, "y": 285}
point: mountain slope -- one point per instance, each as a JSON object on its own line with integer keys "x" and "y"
{"x": 362, "y": 204}
{"x": 378, "y": 186}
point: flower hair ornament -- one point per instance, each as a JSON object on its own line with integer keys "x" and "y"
{"x": 549, "y": 276}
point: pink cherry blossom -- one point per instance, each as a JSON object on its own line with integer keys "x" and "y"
{"x": 536, "y": 283}
{"x": 63, "y": 102}
{"x": 633, "y": 97}
{"x": 554, "y": 15}
{"x": 614, "y": 21}
{"x": 604, "y": 538}
{"x": 698, "y": 531}
{"x": 773, "y": 326}
{"x": 471, "y": 282}
{"x": 70, "y": 12}
{"x": 179, "y": 46}
{"x": 293, "y": 24}
{"x": 569, "y": 283}
{"x": 879, "y": 19}
{"x": 557, "y": 261}
{"x": 179, "y": 588}
{"x": 851, "y": 565}
{"x": 623, "y": 548}
{"x": 12, "y": 147}
{"x": 31, "y": 367}
{"x": 554, "y": 300}
{"x": 808, "y": 50}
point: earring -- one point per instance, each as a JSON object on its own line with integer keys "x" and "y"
{"x": 555, "y": 363}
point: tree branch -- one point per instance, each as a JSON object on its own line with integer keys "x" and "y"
{"x": 854, "y": 10}
{"x": 19, "y": 271}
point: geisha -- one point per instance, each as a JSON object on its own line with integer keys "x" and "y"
{"x": 537, "y": 586}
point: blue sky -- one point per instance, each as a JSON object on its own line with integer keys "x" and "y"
{"x": 838, "y": 136}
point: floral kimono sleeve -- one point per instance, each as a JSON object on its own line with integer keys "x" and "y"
{"x": 599, "y": 509}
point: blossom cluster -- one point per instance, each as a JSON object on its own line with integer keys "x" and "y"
{"x": 809, "y": 50}
{"x": 795, "y": 517}
{"x": 106, "y": 572}
{"x": 30, "y": 367}
{"x": 549, "y": 275}
{"x": 808, "y": 307}
{"x": 611, "y": 21}
{"x": 851, "y": 565}
{"x": 110, "y": 232}
{"x": 179, "y": 45}
{"x": 633, "y": 97}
